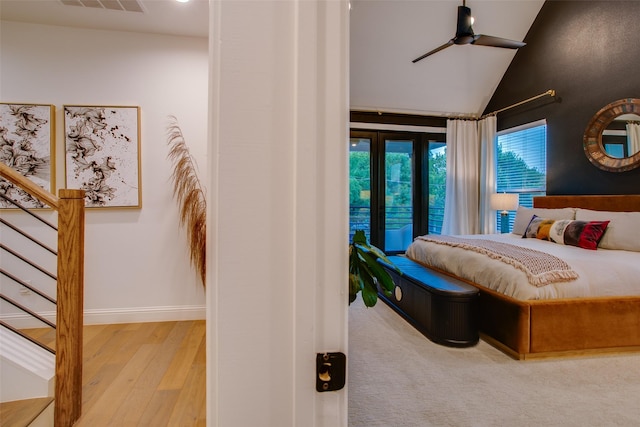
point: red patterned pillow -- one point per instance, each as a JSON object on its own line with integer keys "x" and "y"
{"x": 585, "y": 234}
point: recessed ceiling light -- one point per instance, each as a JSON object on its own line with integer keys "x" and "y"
{"x": 182, "y": 1}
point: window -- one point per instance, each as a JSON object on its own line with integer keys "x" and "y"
{"x": 522, "y": 162}
{"x": 396, "y": 186}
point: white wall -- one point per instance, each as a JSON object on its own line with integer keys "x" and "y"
{"x": 136, "y": 266}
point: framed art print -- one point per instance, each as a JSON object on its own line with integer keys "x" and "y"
{"x": 27, "y": 134}
{"x": 102, "y": 154}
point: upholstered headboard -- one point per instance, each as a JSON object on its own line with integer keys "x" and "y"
{"x": 618, "y": 203}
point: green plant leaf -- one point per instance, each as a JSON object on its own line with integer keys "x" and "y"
{"x": 376, "y": 270}
{"x": 366, "y": 274}
{"x": 386, "y": 283}
{"x": 355, "y": 286}
{"x": 370, "y": 248}
{"x": 369, "y": 295}
{"x": 377, "y": 253}
{"x": 359, "y": 237}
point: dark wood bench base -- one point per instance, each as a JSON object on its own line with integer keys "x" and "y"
{"x": 441, "y": 307}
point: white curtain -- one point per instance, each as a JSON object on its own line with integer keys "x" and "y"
{"x": 488, "y": 168}
{"x": 463, "y": 164}
{"x": 633, "y": 137}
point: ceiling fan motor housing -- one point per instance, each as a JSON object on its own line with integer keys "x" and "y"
{"x": 464, "y": 32}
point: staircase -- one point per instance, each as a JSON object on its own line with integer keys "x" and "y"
{"x": 41, "y": 386}
{"x": 37, "y": 412}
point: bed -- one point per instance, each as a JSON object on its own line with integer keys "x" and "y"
{"x": 596, "y": 312}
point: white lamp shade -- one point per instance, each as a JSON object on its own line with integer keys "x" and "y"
{"x": 504, "y": 201}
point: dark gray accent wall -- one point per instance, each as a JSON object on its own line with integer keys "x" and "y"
{"x": 589, "y": 52}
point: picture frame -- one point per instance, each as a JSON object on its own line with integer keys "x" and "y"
{"x": 27, "y": 144}
{"x": 102, "y": 154}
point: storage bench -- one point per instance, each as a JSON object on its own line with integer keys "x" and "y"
{"x": 442, "y": 308}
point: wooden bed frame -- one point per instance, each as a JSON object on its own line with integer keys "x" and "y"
{"x": 563, "y": 327}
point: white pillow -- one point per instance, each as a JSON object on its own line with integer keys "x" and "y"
{"x": 524, "y": 215}
{"x": 623, "y": 232}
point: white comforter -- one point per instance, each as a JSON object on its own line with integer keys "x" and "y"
{"x": 601, "y": 272}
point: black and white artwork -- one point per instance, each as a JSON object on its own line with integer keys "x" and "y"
{"x": 27, "y": 146}
{"x": 103, "y": 154}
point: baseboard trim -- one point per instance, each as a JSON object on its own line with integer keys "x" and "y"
{"x": 117, "y": 315}
{"x": 144, "y": 314}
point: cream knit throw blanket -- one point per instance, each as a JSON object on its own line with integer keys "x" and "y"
{"x": 541, "y": 268}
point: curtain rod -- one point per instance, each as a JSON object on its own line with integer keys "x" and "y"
{"x": 550, "y": 92}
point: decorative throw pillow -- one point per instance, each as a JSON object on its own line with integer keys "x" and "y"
{"x": 531, "y": 231}
{"x": 623, "y": 231}
{"x": 538, "y": 228}
{"x": 524, "y": 216}
{"x": 583, "y": 234}
{"x": 556, "y": 232}
{"x": 544, "y": 229}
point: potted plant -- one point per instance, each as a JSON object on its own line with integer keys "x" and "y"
{"x": 366, "y": 273}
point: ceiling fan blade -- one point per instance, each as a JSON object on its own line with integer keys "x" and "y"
{"x": 482, "y": 40}
{"x": 438, "y": 49}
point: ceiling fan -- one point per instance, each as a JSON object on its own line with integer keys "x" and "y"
{"x": 465, "y": 35}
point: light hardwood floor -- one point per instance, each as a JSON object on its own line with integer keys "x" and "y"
{"x": 144, "y": 374}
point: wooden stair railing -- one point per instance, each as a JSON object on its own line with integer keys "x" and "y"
{"x": 70, "y": 293}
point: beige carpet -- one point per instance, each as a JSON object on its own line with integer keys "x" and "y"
{"x": 397, "y": 377}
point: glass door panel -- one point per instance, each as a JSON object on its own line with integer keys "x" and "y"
{"x": 360, "y": 186}
{"x": 398, "y": 195}
{"x": 437, "y": 164}
{"x": 396, "y": 186}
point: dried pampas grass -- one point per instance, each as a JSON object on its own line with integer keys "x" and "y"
{"x": 190, "y": 197}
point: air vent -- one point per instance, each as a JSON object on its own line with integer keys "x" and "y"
{"x": 125, "y": 5}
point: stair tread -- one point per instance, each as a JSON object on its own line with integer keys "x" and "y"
{"x": 20, "y": 413}
{"x": 25, "y": 353}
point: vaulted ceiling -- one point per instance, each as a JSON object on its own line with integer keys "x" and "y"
{"x": 385, "y": 36}
{"x": 459, "y": 80}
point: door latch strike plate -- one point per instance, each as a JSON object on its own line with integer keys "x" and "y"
{"x": 331, "y": 371}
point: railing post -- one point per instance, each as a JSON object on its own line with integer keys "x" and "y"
{"x": 68, "y": 404}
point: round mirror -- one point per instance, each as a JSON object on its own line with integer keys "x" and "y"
{"x": 612, "y": 138}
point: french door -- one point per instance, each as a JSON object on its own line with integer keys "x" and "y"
{"x": 385, "y": 191}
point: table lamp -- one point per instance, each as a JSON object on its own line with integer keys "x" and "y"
{"x": 504, "y": 202}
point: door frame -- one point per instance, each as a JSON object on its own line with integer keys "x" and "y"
{"x": 277, "y": 212}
